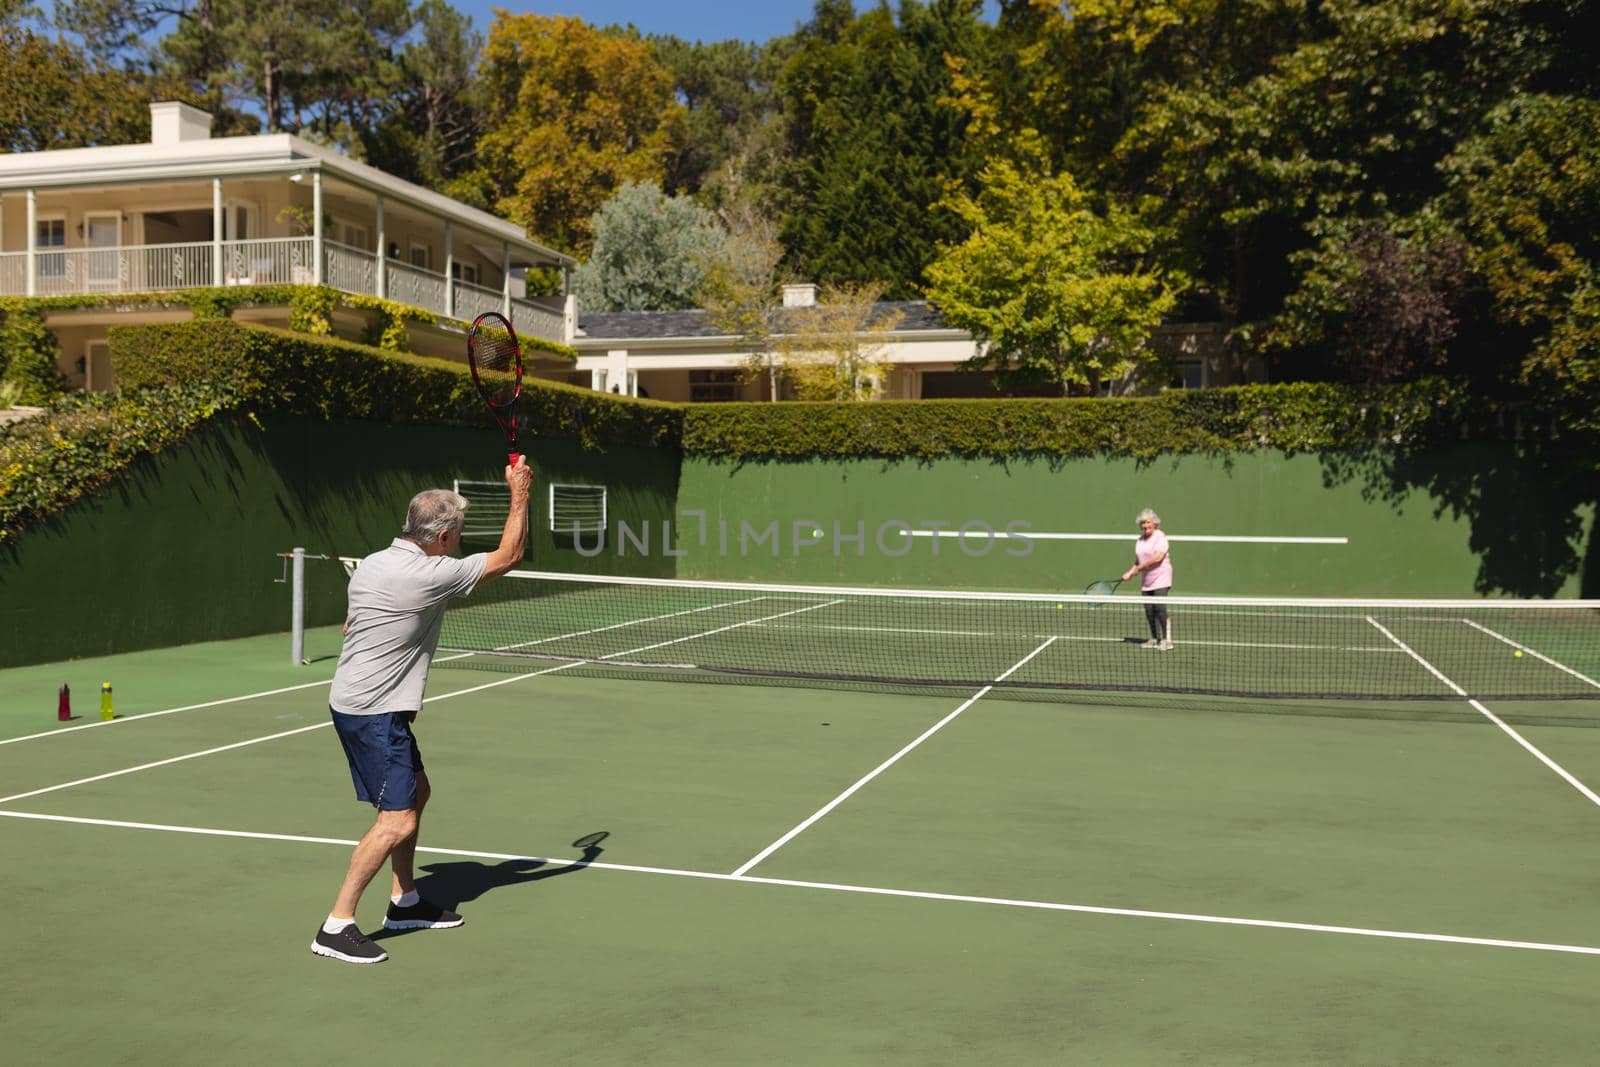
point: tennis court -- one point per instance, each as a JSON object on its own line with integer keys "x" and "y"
{"x": 820, "y": 867}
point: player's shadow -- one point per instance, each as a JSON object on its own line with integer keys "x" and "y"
{"x": 456, "y": 882}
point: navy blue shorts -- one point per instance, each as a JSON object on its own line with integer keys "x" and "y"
{"x": 384, "y": 759}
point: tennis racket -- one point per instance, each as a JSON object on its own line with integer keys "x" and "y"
{"x": 1103, "y": 587}
{"x": 496, "y": 362}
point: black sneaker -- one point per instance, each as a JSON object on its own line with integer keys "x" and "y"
{"x": 420, "y": 916}
{"x": 349, "y": 944}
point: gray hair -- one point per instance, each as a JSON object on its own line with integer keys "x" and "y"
{"x": 431, "y": 513}
{"x": 1150, "y": 514}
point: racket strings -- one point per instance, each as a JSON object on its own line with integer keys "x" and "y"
{"x": 495, "y": 355}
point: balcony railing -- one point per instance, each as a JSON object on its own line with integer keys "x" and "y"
{"x": 265, "y": 261}
{"x": 413, "y": 285}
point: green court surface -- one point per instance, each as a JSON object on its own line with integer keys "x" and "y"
{"x": 796, "y": 875}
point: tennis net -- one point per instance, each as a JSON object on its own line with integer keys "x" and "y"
{"x": 1248, "y": 647}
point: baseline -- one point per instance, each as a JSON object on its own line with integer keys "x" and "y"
{"x": 841, "y": 887}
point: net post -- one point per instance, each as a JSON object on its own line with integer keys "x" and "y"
{"x": 297, "y": 609}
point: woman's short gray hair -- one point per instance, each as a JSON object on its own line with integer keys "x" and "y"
{"x": 432, "y": 512}
{"x": 1148, "y": 513}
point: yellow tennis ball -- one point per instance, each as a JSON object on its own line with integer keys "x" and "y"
{"x": 1060, "y": 606}
{"x": 1517, "y": 653}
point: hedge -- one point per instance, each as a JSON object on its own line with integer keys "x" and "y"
{"x": 1288, "y": 417}
{"x": 85, "y": 439}
{"x": 266, "y": 369}
{"x": 311, "y": 311}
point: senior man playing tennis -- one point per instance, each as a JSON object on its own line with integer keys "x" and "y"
{"x": 396, "y": 605}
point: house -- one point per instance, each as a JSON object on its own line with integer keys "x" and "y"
{"x": 190, "y": 211}
{"x": 681, "y": 355}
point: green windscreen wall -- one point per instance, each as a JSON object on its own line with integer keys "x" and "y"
{"x": 182, "y": 546}
{"x": 1470, "y": 520}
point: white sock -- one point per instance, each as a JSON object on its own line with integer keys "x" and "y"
{"x": 405, "y": 900}
{"x": 333, "y": 926}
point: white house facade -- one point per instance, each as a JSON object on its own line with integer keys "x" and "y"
{"x": 188, "y": 211}
{"x": 682, "y": 356}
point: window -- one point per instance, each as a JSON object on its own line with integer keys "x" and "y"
{"x": 51, "y": 233}
{"x": 1190, "y": 374}
{"x": 353, "y": 235}
{"x": 465, "y": 272}
{"x": 419, "y": 255}
{"x": 709, "y": 386}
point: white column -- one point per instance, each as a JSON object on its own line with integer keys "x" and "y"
{"x": 505, "y": 279}
{"x": 33, "y": 243}
{"x": 383, "y": 254}
{"x": 216, "y": 231}
{"x": 449, "y": 270}
{"x": 316, "y": 226}
{"x": 617, "y": 371}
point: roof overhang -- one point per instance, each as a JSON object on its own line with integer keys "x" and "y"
{"x": 589, "y": 345}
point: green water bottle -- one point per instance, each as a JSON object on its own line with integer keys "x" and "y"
{"x": 106, "y": 715}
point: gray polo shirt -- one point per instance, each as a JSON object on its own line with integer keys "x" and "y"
{"x": 397, "y": 600}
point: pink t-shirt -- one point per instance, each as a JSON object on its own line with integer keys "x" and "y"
{"x": 1159, "y": 576}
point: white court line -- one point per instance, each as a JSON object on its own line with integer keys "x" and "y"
{"x": 840, "y": 887}
{"x": 165, "y": 711}
{"x": 329, "y": 681}
{"x": 258, "y": 740}
{"x": 1083, "y": 637}
{"x": 1536, "y": 655}
{"x": 162, "y": 763}
{"x": 619, "y": 625}
{"x": 425, "y": 700}
{"x": 1026, "y": 535}
{"x": 1492, "y": 717}
{"x": 886, "y": 764}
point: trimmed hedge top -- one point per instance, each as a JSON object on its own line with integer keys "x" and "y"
{"x": 266, "y": 369}
{"x": 1288, "y": 417}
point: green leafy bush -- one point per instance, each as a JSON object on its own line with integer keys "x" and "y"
{"x": 29, "y": 356}
{"x": 84, "y": 440}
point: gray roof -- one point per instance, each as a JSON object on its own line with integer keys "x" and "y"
{"x": 642, "y": 325}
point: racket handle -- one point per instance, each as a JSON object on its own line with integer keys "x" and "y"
{"x": 513, "y": 458}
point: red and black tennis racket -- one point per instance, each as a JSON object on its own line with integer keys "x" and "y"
{"x": 496, "y": 361}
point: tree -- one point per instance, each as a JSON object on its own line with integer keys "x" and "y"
{"x": 572, "y": 113}
{"x": 834, "y": 351}
{"x": 650, "y": 252}
{"x": 741, "y": 290}
{"x": 1052, "y": 289}
{"x": 429, "y": 136}
{"x": 727, "y": 94}
{"x": 51, "y": 96}
{"x": 1529, "y": 188}
{"x": 869, "y": 146}
{"x": 1381, "y": 301}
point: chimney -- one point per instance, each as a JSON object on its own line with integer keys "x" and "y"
{"x": 172, "y": 122}
{"x": 803, "y": 295}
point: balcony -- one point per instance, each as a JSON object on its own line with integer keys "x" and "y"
{"x": 266, "y": 261}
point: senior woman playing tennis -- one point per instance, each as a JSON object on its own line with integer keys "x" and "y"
{"x": 396, "y": 605}
{"x": 1151, "y": 558}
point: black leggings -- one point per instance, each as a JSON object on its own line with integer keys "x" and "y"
{"x": 1156, "y": 614}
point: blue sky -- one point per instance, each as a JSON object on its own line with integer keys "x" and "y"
{"x": 704, "y": 20}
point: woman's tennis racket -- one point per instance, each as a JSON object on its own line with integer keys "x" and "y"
{"x": 496, "y": 361}
{"x": 1103, "y": 587}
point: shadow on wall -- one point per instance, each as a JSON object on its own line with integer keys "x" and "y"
{"x": 1525, "y": 503}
